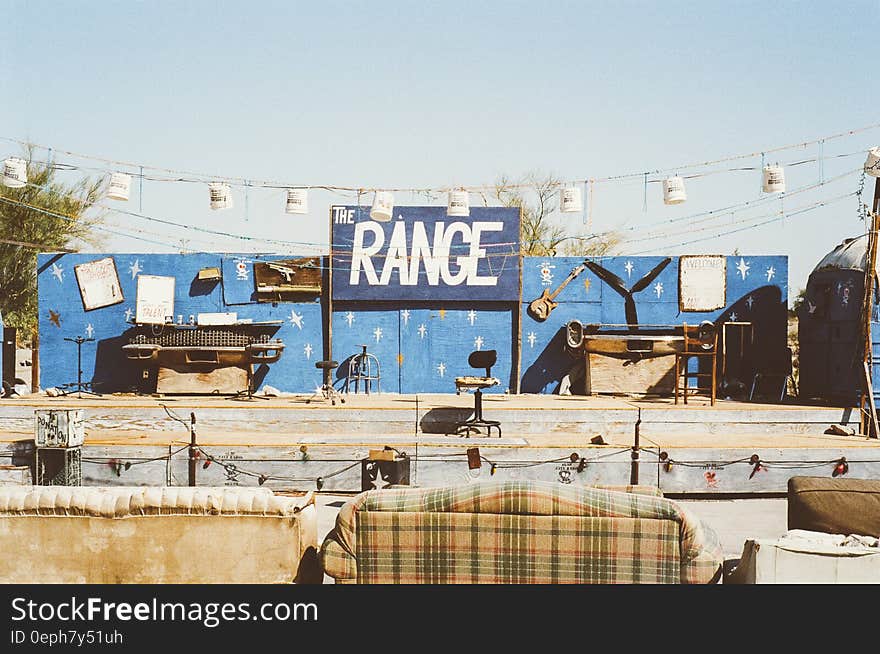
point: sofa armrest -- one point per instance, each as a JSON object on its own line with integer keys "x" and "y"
{"x": 336, "y": 560}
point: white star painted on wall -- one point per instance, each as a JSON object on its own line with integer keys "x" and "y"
{"x": 296, "y": 318}
{"x": 472, "y": 315}
{"x": 58, "y": 271}
{"x": 750, "y": 301}
{"x": 629, "y": 268}
{"x": 89, "y": 330}
{"x": 531, "y": 339}
{"x": 658, "y": 289}
{"x": 307, "y": 350}
{"x": 770, "y": 272}
{"x": 128, "y": 314}
{"x": 733, "y": 317}
{"x": 378, "y": 333}
{"x": 743, "y": 267}
{"x": 441, "y": 368}
{"x": 405, "y": 315}
{"x": 134, "y": 268}
{"x": 422, "y": 330}
{"x": 478, "y": 342}
{"x": 349, "y": 318}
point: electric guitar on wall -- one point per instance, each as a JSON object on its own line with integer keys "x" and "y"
{"x": 539, "y": 309}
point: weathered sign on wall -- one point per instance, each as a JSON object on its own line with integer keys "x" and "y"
{"x": 702, "y": 282}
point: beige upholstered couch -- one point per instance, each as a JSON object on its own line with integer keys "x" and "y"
{"x": 57, "y": 534}
{"x": 519, "y": 532}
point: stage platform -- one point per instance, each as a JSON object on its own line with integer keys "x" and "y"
{"x": 289, "y": 443}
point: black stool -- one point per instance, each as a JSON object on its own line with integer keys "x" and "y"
{"x": 478, "y": 359}
{"x": 327, "y": 391}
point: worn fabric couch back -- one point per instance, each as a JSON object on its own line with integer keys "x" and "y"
{"x": 519, "y": 532}
{"x": 158, "y": 535}
{"x": 834, "y": 505}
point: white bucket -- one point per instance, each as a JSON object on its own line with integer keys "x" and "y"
{"x": 14, "y": 172}
{"x": 221, "y": 196}
{"x": 458, "y": 204}
{"x": 571, "y": 200}
{"x": 673, "y": 190}
{"x": 120, "y": 187}
{"x": 872, "y": 163}
{"x": 774, "y": 179}
{"x": 383, "y": 206}
{"x": 297, "y": 201}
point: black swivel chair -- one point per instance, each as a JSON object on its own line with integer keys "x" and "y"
{"x": 478, "y": 359}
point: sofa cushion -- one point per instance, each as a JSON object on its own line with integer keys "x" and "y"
{"x": 834, "y": 505}
{"x": 506, "y": 520}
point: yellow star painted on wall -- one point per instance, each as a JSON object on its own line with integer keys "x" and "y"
{"x": 442, "y": 314}
{"x": 400, "y": 358}
{"x": 587, "y": 284}
{"x": 55, "y": 318}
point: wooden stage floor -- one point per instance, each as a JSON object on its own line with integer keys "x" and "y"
{"x": 292, "y": 443}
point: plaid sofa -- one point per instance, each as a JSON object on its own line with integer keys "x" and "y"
{"x": 519, "y": 532}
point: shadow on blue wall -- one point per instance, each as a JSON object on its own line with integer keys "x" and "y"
{"x": 549, "y": 368}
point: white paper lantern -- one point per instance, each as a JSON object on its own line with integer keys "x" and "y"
{"x": 120, "y": 187}
{"x": 297, "y": 201}
{"x": 571, "y": 200}
{"x": 774, "y": 179}
{"x": 383, "y": 206}
{"x": 673, "y": 190}
{"x": 458, "y": 204}
{"x": 872, "y": 163}
{"x": 14, "y": 172}
{"x": 221, "y": 196}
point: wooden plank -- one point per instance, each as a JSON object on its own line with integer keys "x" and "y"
{"x": 870, "y": 392}
{"x": 647, "y": 376}
{"x": 226, "y": 379}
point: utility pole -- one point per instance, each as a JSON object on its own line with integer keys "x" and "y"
{"x": 871, "y": 429}
{"x": 193, "y": 452}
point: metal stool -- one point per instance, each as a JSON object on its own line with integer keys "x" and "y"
{"x": 360, "y": 369}
{"x": 327, "y": 391}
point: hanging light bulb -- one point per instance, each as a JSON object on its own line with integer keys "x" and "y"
{"x": 582, "y": 465}
{"x": 458, "y": 204}
{"x": 841, "y": 468}
{"x": 571, "y": 200}
{"x": 383, "y": 206}
{"x": 872, "y": 163}
{"x": 206, "y": 464}
{"x": 262, "y": 479}
{"x": 319, "y": 482}
{"x": 120, "y": 187}
{"x": 673, "y": 190}
{"x": 14, "y": 172}
{"x": 297, "y": 201}
{"x": 774, "y": 179}
{"x": 221, "y": 196}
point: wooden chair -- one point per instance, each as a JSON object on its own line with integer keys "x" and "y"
{"x": 700, "y": 341}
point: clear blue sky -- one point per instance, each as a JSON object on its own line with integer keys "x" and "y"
{"x": 414, "y": 94}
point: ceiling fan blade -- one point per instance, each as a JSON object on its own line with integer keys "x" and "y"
{"x": 642, "y": 284}
{"x": 608, "y": 277}
{"x": 632, "y": 319}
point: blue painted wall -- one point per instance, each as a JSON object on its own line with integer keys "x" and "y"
{"x": 421, "y": 345}
{"x": 421, "y": 349}
{"x": 756, "y": 291}
{"x": 62, "y": 316}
